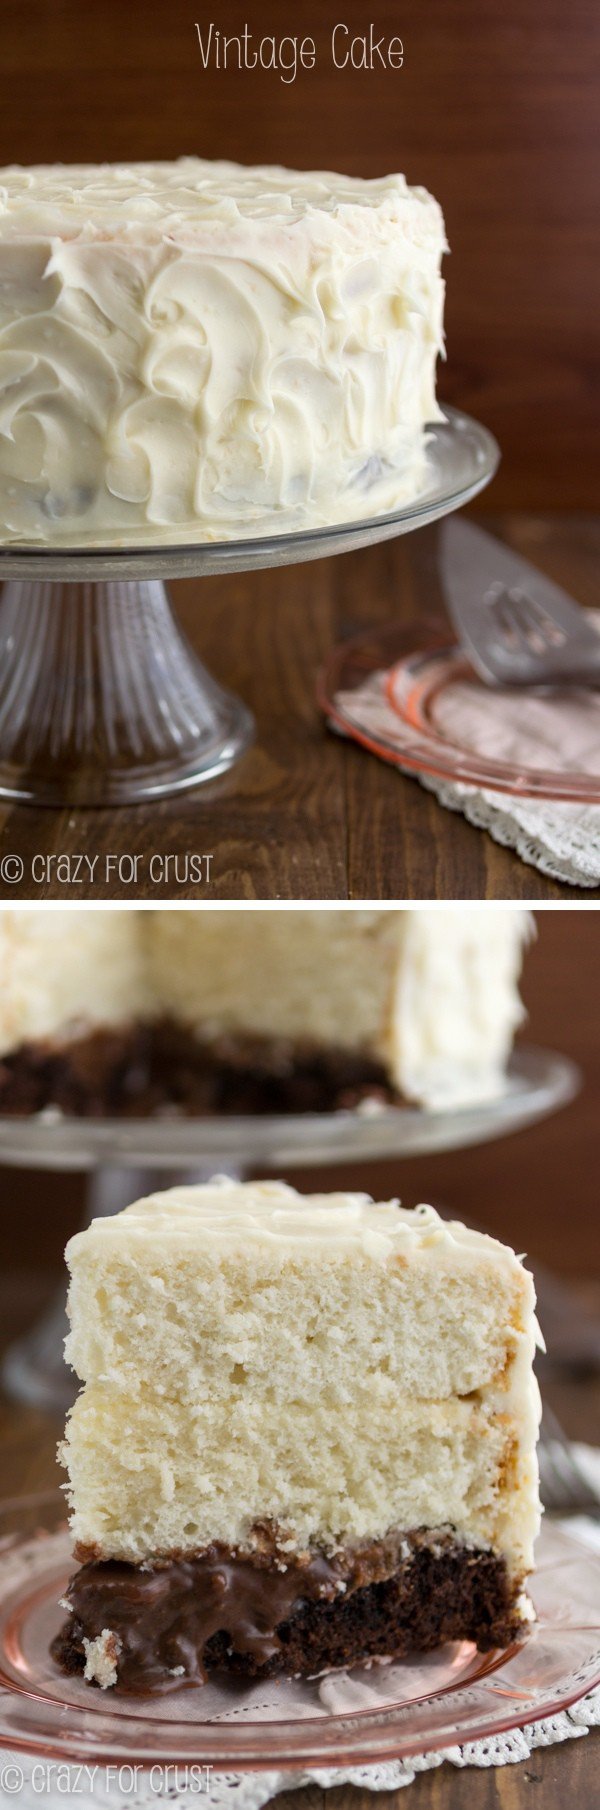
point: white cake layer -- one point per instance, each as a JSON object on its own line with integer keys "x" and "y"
{"x": 338, "y": 1366}
{"x": 433, "y": 997}
{"x": 194, "y": 350}
{"x": 63, "y": 973}
{"x": 152, "y": 1477}
{"x": 313, "y": 978}
{"x": 213, "y": 1278}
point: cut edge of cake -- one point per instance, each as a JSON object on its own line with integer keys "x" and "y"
{"x": 214, "y": 1011}
{"x": 306, "y": 1436}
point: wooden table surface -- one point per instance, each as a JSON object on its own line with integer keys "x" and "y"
{"x": 306, "y": 815}
{"x": 549, "y": 1779}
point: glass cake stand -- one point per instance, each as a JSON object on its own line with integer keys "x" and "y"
{"x": 102, "y": 700}
{"x": 126, "y": 1159}
{"x": 389, "y": 1710}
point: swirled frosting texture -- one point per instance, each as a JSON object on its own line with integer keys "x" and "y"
{"x": 194, "y": 350}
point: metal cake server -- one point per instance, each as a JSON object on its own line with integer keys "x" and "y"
{"x": 564, "y": 1487}
{"x": 516, "y": 626}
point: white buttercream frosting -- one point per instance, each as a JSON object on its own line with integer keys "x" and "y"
{"x": 224, "y": 1211}
{"x": 457, "y": 1003}
{"x": 197, "y": 349}
{"x": 242, "y": 1214}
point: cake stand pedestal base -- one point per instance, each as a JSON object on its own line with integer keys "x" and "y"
{"x": 102, "y": 701}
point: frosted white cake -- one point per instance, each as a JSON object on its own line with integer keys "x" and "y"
{"x": 286, "y": 1400}
{"x": 198, "y": 350}
{"x": 428, "y": 1001}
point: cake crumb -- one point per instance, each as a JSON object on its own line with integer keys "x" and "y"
{"x": 101, "y": 1657}
{"x": 371, "y": 1107}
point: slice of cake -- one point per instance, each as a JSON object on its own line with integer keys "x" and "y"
{"x": 228, "y": 1011}
{"x": 197, "y": 351}
{"x": 306, "y": 1436}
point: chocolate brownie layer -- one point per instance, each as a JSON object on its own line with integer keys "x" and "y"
{"x": 160, "y": 1068}
{"x": 252, "y": 1615}
{"x": 105, "y": 1073}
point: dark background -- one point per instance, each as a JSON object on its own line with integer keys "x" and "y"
{"x": 495, "y": 110}
{"x": 538, "y": 1190}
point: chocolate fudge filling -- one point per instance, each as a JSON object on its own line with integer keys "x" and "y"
{"x": 224, "y": 1611}
{"x": 162, "y": 1069}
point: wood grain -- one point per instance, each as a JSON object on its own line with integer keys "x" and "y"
{"x": 548, "y": 1779}
{"x": 495, "y": 110}
{"x": 307, "y": 816}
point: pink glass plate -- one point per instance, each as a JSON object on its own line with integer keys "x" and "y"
{"x": 385, "y": 1711}
{"x": 391, "y": 690}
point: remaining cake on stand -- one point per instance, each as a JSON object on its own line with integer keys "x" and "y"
{"x": 282, "y": 1010}
{"x": 306, "y": 1436}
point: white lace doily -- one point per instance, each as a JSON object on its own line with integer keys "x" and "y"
{"x": 54, "y": 1783}
{"x": 562, "y": 840}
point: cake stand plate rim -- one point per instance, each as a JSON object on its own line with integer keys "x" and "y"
{"x": 539, "y": 1082}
